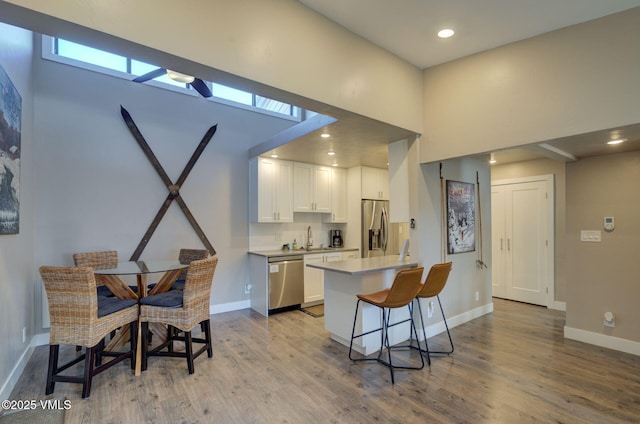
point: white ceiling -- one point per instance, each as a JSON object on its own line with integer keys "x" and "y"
{"x": 408, "y": 29}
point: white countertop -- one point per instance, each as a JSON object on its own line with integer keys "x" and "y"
{"x": 365, "y": 265}
{"x": 281, "y": 252}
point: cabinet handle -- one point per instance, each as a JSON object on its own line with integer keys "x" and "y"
{"x": 274, "y": 216}
{"x": 278, "y": 215}
{"x": 501, "y": 243}
{"x": 509, "y": 244}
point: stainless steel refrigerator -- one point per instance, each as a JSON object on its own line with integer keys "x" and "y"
{"x": 379, "y": 236}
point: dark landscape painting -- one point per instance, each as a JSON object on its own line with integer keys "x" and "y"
{"x": 10, "y": 124}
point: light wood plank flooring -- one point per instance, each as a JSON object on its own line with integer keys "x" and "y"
{"x": 512, "y": 366}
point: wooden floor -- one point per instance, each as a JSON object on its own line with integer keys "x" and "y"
{"x": 512, "y": 366}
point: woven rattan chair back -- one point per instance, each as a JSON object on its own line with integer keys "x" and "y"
{"x": 97, "y": 260}
{"x": 73, "y": 305}
{"x": 186, "y": 256}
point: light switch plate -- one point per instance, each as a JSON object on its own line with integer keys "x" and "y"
{"x": 590, "y": 236}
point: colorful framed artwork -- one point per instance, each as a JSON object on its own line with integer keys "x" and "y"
{"x": 461, "y": 217}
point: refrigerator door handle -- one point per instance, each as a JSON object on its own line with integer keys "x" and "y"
{"x": 384, "y": 230}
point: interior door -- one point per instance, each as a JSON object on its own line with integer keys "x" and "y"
{"x": 521, "y": 233}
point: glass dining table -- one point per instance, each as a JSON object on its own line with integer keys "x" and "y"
{"x": 171, "y": 270}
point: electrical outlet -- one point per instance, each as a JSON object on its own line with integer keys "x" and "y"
{"x": 477, "y": 296}
{"x": 24, "y": 334}
{"x": 430, "y": 310}
{"x": 247, "y": 288}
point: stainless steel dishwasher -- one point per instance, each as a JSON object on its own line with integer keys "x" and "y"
{"x": 286, "y": 281}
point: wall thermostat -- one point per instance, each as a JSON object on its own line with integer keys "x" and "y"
{"x": 608, "y": 223}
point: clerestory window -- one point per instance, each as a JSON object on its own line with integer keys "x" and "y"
{"x": 97, "y": 60}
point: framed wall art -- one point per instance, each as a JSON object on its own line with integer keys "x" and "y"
{"x": 10, "y": 130}
{"x": 461, "y": 217}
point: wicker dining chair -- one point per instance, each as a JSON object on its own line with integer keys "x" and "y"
{"x": 98, "y": 260}
{"x": 80, "y": 317}
{"x": 181, "y": 311}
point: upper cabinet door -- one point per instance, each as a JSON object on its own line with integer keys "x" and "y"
{"x": 271, "y": 190}
{"x": 284, "y": 191}
{"x": 338, "y": 196}
{"x": 322, "y": 188}
{"x": 302, "y": 187}
{"x": 375, "y": 183}
{"x": 311, "y": 188}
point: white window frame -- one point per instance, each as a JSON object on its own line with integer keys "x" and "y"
{"x": 48, "y": 54}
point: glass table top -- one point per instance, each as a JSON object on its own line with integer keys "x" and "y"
{"x": 142, "y": 267}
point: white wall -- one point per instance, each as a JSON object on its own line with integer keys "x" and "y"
{"x": 458, "y": 297}
{"x": 17, "y": 270}
{"x": 96, "y": 190}
{"x": 571, "y": 81}
{"x": 280, "y": 44}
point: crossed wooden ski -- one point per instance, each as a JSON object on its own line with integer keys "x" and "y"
{"x": 174, "y": 193}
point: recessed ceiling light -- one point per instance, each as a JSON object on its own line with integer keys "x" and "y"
{"x": 331, "y": 153}
{"x": 325, "y": 135}
{"x": 274, "y": 156}
{"x": 618, "y": 141}
{"x": 446, "y": 33}
{"x": 492, "y": 159}
{"x": 335, "y": 164}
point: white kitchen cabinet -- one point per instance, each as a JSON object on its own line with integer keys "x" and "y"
{"x": 314, "y": 278}
{"x": 350, "y": 255}
{"x": 375, "y": 183}
{"x": 271, "y": 190}
{"x": 311, "y": 188}
{"x": 338, "y": 196}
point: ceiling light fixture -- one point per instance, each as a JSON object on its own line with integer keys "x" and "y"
{"x": 274, "y": 156}
{"x": 177, "y": 76}
{"x": 618, "y": 141}
{"x": 492, "y": 159}
{"x": 325, "y": 135}
{"x": 446, "y": 33}
{"x": 331, "y": 153}
{"x": 334, "y": 164}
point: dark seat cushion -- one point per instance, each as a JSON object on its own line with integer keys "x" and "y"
{"x": 109, "y": 305}
{"x": 170, "y": 299}
{"x": 178, "y": 285}
{"x": 103, "y": 291}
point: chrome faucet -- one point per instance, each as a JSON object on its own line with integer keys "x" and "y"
{"x": 309, "y": 238}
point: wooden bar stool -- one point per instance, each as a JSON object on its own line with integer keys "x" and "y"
{"x": 404, "y": 289}
{"x": 433, "y": 285}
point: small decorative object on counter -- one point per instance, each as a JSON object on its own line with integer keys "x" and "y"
{"x": 285, "y": 246}
{"x": 295, "y": 244}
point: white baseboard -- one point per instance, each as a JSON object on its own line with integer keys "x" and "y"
{"x": 559, "y": 306}
{"x": 16, "y": 372}
{"x": 602, "y": 340}
{"x": 457, "y": 320}
{"x": 228, "y": 307}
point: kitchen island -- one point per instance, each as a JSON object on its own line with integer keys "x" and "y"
{"x": 343, "y": 280}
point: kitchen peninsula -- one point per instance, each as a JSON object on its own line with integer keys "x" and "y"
{"x": 343, "y": 280}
